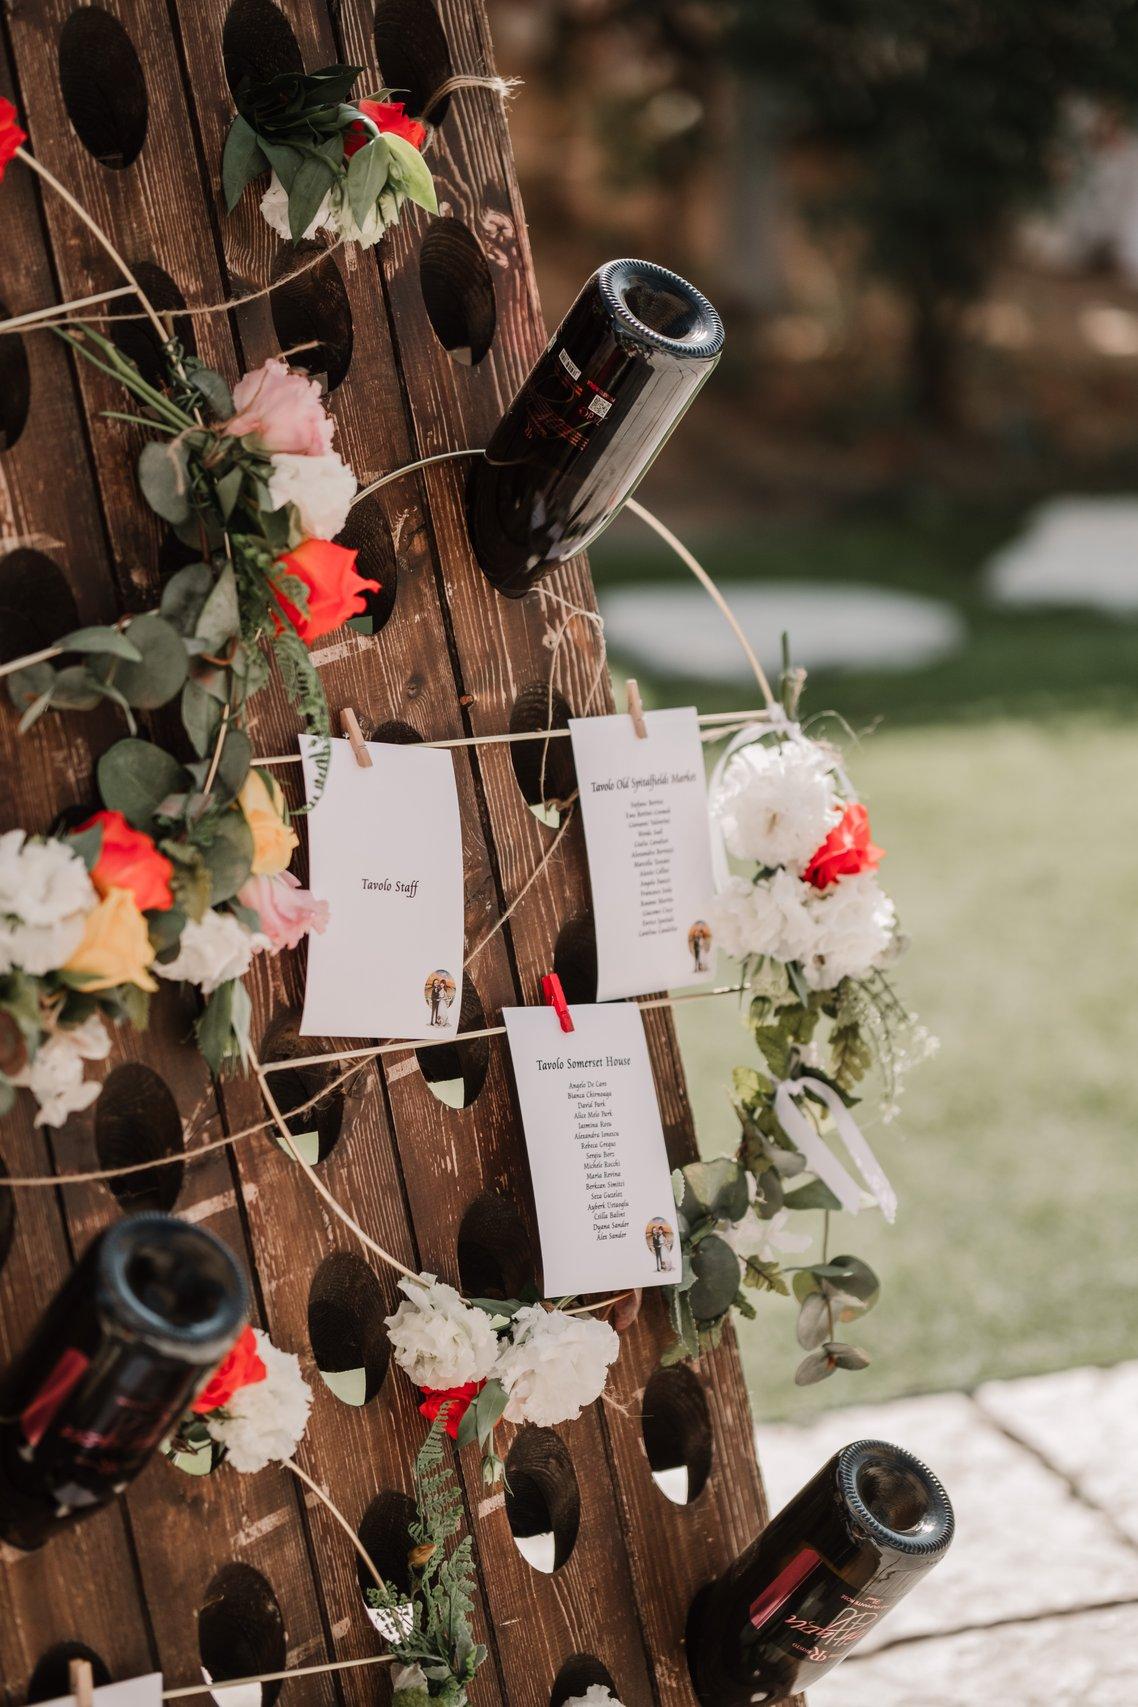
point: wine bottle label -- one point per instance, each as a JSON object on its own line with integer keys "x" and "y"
{"x": 809, "y": 1612}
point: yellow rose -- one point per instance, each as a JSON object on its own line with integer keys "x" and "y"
{"x": 273, "y": 839}
{"x": 116, "y": 946}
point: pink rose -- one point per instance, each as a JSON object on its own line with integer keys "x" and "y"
{"x": 283, "y": 411}
{"x": 286, "y": 911}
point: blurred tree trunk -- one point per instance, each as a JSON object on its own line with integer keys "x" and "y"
{"x": 934, "y": 359}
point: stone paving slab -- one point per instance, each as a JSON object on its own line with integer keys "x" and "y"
{"x": 1085, "y": 1423}
{"x": 1088, "y": 1660}
{"x": 1025, "y": 1545}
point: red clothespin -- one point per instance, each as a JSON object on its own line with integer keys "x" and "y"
{"x": 555, "y": 996}
{"x": 636, "y": 709}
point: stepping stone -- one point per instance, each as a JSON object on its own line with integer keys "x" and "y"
{"x": 1024, "y": 1544}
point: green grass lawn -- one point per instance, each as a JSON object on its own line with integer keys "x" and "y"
{"x": 1002, "y": 785}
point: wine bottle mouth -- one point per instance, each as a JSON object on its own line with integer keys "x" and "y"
{"x": 173, "y": 1284}
{"x": 660, "y": 309}
{"x": 895, "y": 1498}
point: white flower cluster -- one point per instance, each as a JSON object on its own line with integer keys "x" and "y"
{"x": 54, "y": 1075}
{"x": 334, "y": 215}
{"x": 45, "y": 896}
{"x": 212, "y": 950}
{"x": 321, "y": 488}
{"x": 597, "y": 1695}
{"x": 264, "y": 1423}
{"x": 776, "y": 806}
{"x": 751, "y": 1236}
{"x": 551, "y": 1364}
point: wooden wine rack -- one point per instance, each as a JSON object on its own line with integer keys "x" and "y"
{"x": 423, "y": 342}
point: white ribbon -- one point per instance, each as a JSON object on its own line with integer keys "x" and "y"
{"x": 820, "y": 1158}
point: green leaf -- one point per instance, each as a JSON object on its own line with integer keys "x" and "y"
{"x": 163, "y": 474}
{"x": 413, "y": 172}
{"x": 850, "y": 1274}
{"x": 228, "y": 490}
{"x": 210, "y": 386}
{"x": 233, "y": 767}
{"x": 184, "y": 595}
{"x": 229, "y": 856}
{"x": 135, "y": 777}
{"x": 215, "y": 1026}
{"x": 75, "y": 689}
{"x": 241, "y": 160}
{"x": 27, "y": 686}
{"x": 284, "y": 160}
{"x": 367, "y": 174}
{"x": 88, "y": 844}
{"x": 717, "y": 1188}
{"x": 815, "y": 1194}
{"x": 201, "y": 716}
{"x": 101, "y": 640}
{"x": 717, "y": 1278}
{"x": 220, "y": 617}
{"x": 311, "y": 183}
{"x": 162, "y": 667}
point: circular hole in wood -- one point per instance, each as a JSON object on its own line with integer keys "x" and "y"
{"x": 677, "y": 1433}
{"x": 495, "y": 1255}
{"x": 575, "y": 958}
{"x": 368, "y": 535}
{"x": 36, "y": 603}
{"x": 456, "y": 1072}
{"x": 315, "y": 1130}
{"x": 346, "y": 1308}
{"x": 579, "y": 1674}
{"x": 7, "y": 1219}
{"x": 15, "y": 385}
{"x": 385, "y": 1536}
{"x": 137, "y": 1120}
{"x": 458, "y": 291}
{"x": 543, "y": 1501}
{"x": 136, "y": 338}
{"x": 400, "y": 734}
{"x": 257, "y": 41}
{"x": 414, "y": 59}
{"x": 49, "y": 1681}
{"x": 313, "y": 310}
{"x": 545, "y": 770}
{"x": 241, "y": 1632}
{"x": 103, "y": 87}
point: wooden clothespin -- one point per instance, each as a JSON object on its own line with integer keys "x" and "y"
{"x": 555, "y": 996}
{"x": 636, "y": 709}
{"x": 350, "y": 726}
{"x": 81, "y": 1682}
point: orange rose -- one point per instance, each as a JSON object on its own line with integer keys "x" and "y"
{"x": 386, "y": 116}
{"x": 11, "y": 136}
{"x": 846, "y": 850}
{"x": 128, "y": 859}
{"x": 241, "y": 1367}
{"x": 334, "y": 589}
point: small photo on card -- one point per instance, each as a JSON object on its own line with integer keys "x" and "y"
{"x": 648, "y": 834}
{"x": 385, "y": 852}
{"x": 601, "y": 1180}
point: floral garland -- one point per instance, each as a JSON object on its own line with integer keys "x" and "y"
{"x": 341, "y": 166}
{"x": 817, "y": 937}
{"x": 161, "y": 883}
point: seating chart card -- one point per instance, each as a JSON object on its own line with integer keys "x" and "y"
{"x": 601, "y": 1181}
{"x": 644, "y": 806}
{"x": 385, "y": 852}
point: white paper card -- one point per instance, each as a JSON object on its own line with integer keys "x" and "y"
{"x": 644, "y": 805}
{"x": 385, "y": 852}
{"x": 133, "y": 1692}
{"x": 601, "y": 1181}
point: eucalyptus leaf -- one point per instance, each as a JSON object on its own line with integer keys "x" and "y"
{"x": 717, "y": 1188}
{"x": 75, "y": 689}
{"x": 229, "y": 856}
{"x": 850, "y": 1274}
{"x": 163, "y": 474}
{"x": 201, "y": 716}
{"x": 135, "y": 777}
{"x": 814, "y": 1324}
{"x": 717, "y": 1277}
{"x": 162, "y": 667}
{"x": 212, "y": 387}
{"x": 413, "y": 172}
{"x": 101, "y": 640}
{"x": 28, "y": 685}
{"x": 241, "y": 160}
{"x": 220, "y": 617}
{"x": 229, "y": 490}
{"x": 88, "y": 844}
{"x": 815, "y": 1194}
{"x": 214, "y": 1027}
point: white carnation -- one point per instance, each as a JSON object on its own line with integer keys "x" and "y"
{"x": 264, "y": 1423}
{"x": 597, "y": 1695}
{"x": 771, "y": 917}
{"x": 54, "y": 1075}
{"x": 321, "y": 487}
{"x": 776, "y": 804}
{"x": 855, "y": 923}
{"x": 554, "y": 1365}
{"x": 45, "y": 895}
{"x": 41, "y": 948}
{"x": 379, "y": 216}
{"x": 437, "y": 1338}
{"x": 274, "y": 209}
{"x": 212, "y": 950}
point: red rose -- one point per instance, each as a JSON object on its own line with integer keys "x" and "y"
{"x": 334, "y": 589}
{"x": 386, "y": 116}
{"x": 129, "y": 860}
{"x": 11, "y": 136}
{"x": 846, "y": 850}
{"x": 242, "y": 1367}
{"x": 458, "y": 1399}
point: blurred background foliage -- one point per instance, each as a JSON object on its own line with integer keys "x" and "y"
{"x": 920, "y": 222}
